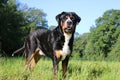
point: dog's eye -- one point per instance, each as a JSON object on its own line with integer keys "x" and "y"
{"x": 71, "y": 17}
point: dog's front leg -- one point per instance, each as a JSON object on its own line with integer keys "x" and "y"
{"x": 55, "y": 68}
{"x": 64, "y": 66}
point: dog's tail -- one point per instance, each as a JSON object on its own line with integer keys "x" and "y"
{"x": 19, "y": 50}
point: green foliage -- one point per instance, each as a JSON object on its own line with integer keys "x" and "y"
{"x": 34, "y": 18}
{"x": 16, "y": 22}
{"x": 102, "y": 39}
{"x": 115, "y": 52}
{"x": 11, "y": 21}
{"x": 80, "y": 43}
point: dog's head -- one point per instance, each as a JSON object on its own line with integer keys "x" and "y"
{"x": 68, "y": 21}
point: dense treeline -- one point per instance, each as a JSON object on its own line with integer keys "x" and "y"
{"x": 103, "y": 40}
{"x": 16, "y": 21}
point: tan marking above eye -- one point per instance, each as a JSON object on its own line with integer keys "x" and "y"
{"x": 71, "y": 17}
{"x": 66, "y": 17}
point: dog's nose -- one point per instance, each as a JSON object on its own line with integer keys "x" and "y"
{"x": 69, "y": 22}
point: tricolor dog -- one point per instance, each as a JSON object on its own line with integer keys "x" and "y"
{"x": 56, "y": 44}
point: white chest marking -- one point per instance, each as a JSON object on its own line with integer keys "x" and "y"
{"x": 66, "y": 50}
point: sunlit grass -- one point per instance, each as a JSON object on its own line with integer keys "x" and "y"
{"x": 13, "y": 69}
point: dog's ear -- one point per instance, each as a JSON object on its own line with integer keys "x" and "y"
{"x": 77, "y": 18}
{"x": 58, "y": 17}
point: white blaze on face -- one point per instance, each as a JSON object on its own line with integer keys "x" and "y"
{"x": 68, "y": 20}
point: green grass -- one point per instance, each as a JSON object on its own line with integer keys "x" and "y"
{"x": 13, "y": 69}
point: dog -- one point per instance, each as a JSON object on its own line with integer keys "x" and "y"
{"x": 56, "y": 44}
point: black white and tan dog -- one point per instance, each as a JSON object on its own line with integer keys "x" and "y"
{"x": 56, "y": 44}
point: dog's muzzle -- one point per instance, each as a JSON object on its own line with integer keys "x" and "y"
{"x": 69, "y": 27}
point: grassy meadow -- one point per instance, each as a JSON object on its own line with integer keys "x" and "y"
{"x": 13, "y": 69}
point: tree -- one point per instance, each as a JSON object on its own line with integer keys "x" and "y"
{"x": 115, "y": 51}
{"x": 104, "y": 36}
{"x": 35, "y": 18}
{"x": 10, "y": 21}
{"x": 16, "y": 23}
{"x": 80, "y": 43}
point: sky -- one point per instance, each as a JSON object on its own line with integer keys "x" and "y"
{"x": 88, "y": 10}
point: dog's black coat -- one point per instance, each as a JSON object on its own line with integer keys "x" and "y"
{"x": 49, "y": 41}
